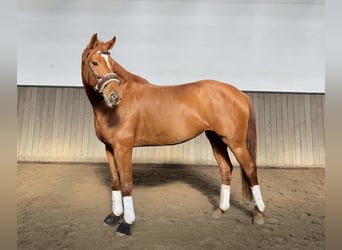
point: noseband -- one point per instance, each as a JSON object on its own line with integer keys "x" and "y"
{"x": 105, "y": 80}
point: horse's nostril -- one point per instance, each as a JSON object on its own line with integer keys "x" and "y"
{"x": 113, "y": 97}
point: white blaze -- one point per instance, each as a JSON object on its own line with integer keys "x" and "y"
{"x": 106, "y": 59}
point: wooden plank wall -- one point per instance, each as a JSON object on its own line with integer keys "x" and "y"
{"x": 55, "y": 124}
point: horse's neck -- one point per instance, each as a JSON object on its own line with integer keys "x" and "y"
{"x": 126, "y": 76}
{"x": 122, "y": 74}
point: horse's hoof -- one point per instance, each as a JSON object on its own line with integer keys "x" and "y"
{"x": 258, "y": 218}
{"x": 123, "y": 229}
{"x": 112, "y": 220}
{"x": 217, "y": 213}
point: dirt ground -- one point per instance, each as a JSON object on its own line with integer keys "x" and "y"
{"x": 62, "y": 206}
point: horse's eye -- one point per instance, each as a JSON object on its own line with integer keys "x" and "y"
{"x": 94, "y": 63}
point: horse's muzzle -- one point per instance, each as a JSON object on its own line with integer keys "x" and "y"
{"x": 112, "y": 95}
{"x": 111, "y": 99}
{"x": 114, "y": 99}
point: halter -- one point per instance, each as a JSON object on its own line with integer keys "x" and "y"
{"x": 103, "y": 81}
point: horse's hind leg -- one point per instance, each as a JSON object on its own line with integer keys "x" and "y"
{"x": 221, "y": 155}
{"x": 249, "y": 174}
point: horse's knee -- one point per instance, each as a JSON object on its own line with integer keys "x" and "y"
{"x": 126, "y": 189}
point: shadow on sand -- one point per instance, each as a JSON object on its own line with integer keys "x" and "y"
{"x": 152, "y": 175}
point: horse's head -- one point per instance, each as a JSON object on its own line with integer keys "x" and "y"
{"x": 97, "y": 71}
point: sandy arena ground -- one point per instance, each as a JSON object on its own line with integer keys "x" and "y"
{"x": 62, "y": 206}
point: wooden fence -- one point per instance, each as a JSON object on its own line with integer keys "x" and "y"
{"x": 55, "y": 124}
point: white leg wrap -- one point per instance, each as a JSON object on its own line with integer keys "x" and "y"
{"x": 129, "y": 214}
{"x": 258, "y": 198}
{"x": 117, "y": 208}
{"x": 225, "y": 197}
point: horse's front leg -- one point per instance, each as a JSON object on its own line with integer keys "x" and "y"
{"x": 123, "y": 158}
{"x": 114, "y": 218}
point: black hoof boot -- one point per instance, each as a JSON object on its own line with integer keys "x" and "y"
{"x": 123, "y": 229}
{"x": 112, "y": 220}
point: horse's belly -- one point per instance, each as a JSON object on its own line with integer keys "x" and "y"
{"x": 167, "y": 135}
{"x": 161, "y": 141}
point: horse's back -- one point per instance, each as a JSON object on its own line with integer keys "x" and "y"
{"x": 210, "y": 101}
{"x": 219, "y": 95}
{"x": 203, "y": 88}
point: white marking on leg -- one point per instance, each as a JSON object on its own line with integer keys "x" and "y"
{"x": 106, "y": 59}
{"x": 225, "y": 197}
{"x": 258, "y": 198}
{"x": 117, "y": 207}
{"x": 129, "y": 214}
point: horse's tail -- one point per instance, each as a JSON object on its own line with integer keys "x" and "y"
{"x": 251, "y": 142}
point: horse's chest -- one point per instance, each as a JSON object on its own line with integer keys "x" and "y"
{"x": 109, "y": 130}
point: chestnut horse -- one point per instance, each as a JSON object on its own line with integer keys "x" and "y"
{"x": 131, "y": 112}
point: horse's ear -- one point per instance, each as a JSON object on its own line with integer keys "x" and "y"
{"x": 110, "y": 43}
{"x": 93, "y": 40}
